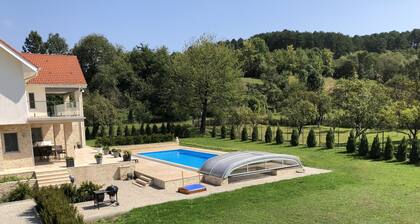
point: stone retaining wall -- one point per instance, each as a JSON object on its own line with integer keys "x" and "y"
{"x": 101, "y": 173}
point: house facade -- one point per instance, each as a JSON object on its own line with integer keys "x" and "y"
{"x": 41, "y": 107}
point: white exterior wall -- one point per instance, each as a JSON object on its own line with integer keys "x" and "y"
{"x": 13, "y": 109}
{"x": 40, "y": 100}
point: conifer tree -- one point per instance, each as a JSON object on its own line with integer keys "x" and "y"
{"x": 279, "y": 136}
{"x": 213, "y": 132}
{"x": 119, "y": 131}
{"x": 127, "y": 131}
{"x": 133, "y": 130}
{"x": 223, "y": 132}
{"x": 244, "y": 134}
{"x": 232, "y": 133}
{"x": 103, "y": 132}
{"x": 414, "y": 153}
{"x": 87, "y": 133}
{"x": 389, "y": 149}
{"x": 148, "y": 130}
{"x": 311, "y": 139}
{"x": 268, "y": 137}
{"x": 294, "y": 139}
{"x": 329, "y": 139}
{"x": 375, "y": 151}
{"x": 351, "y": 143}
{"x": 142, "y": 131}
{"x": 111, "y": 131}
{"x": 401, "y": 154}
{"x": 254, "y": 135}
{"x": 363, "y": 146}
{"x": 163, "y": 128}
{"x": 155, "y": 129}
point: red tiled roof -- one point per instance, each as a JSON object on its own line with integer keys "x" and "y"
{"x": 56, "y": 69}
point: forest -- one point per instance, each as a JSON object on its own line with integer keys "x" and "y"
{"x": 279, "y": 78}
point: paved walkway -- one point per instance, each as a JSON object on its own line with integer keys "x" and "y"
{"x": 19, "y": 212}
{"x": 131, "y": 196}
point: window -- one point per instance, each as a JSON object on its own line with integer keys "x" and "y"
{"x": 31, "y": 100}
{"x": 11, "y": 142}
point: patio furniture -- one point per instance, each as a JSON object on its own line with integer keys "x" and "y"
{"x": 192, "y": 188}
{"x": 43, "y": 153}
{"x": 59, "y": 151}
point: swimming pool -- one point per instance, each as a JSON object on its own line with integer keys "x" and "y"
{"x": 181, "y": 157}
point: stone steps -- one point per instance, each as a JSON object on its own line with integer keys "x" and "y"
{"x": 52, "y": 177}
{"x": 142, "y": 181}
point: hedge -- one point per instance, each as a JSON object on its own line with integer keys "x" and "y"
{"x": 130, "y": 140}
{"x": 54, "y": 207}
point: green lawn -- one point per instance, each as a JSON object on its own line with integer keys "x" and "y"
{"x": 357, "y": 191}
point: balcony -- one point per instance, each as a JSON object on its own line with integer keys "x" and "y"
{"x": 51, "y": 110}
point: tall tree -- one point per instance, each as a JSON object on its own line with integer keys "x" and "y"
{"x": 93, "y": 51}
{"x": 33, "y": 43}
{"x": 56, "y": 44}
{"x": 361, "y": 101}
{"x": 209, "y": 75}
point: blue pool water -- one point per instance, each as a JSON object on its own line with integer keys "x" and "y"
{"x": 181, "y": 156}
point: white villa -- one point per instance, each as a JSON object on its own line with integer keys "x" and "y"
{"x": 41, "y": 107}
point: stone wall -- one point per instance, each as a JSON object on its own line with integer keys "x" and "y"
{"x": 7, "y": 187}
{"x": 101, "y": 173}
{"x": 72, "y": 136}
{"x": 22, "y": 158}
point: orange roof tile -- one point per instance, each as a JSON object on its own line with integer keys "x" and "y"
{"x": 56, "y": 69}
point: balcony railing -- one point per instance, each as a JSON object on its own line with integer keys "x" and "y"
{"x": 43, "y": 109}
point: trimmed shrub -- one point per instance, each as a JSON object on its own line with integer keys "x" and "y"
{"x": 244, "y": 134}
{"x": 54, "y": 207}
{"x": 279, "y": 136}
{"x": 413, "y": 157}
{"x": 102, "y": 133}
{"x": 155, "y": 129}
{"x": 294, "y": 139}
{"x": 170, "y": 128}
{"x": 311, "y": 139}
{"x": 21, "y": 192}
{"x": 133, "y": 130}
{"x": 163, "y": 128}
{"x": 363, "y": 149}
{"x": 351, "y": 143}
{"x": 110, "y": 131}
{"x": 213, "y": 132}
{"x": 389, "y": 149}
{"x": 130, "y": 116}
{"x": 232, "y": 133}
{"x": 375, "y": 151}
{"x": 148, "y": 130}
{"x": 182, "y": 131}
{"x": 223, "y": 132}
{"x": 119, "y": 131}
{"x": 142, "y": 131}
{"x": 268, "y": 137}
{"x": 401, "y": 154}
{"x": 127, "y": 131}
{"x": 87, "y": 133}
{"x": 254, "y": 135}
{"x": 329, "y": 139}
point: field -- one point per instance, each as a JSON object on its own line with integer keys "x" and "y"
{"x": 357, "y": 191}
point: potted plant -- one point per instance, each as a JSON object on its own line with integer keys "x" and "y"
{"x": 127, "y": 155}
{"x": 69, "y": 161}
{"x": 98, "y": 157}
{"x": 106, "y": 150}
{"x": 116, "y": 152}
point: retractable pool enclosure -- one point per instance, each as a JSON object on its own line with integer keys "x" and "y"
{"x": 217, "y": 169}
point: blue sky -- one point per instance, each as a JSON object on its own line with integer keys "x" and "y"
{"x": 174, "y": 23}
